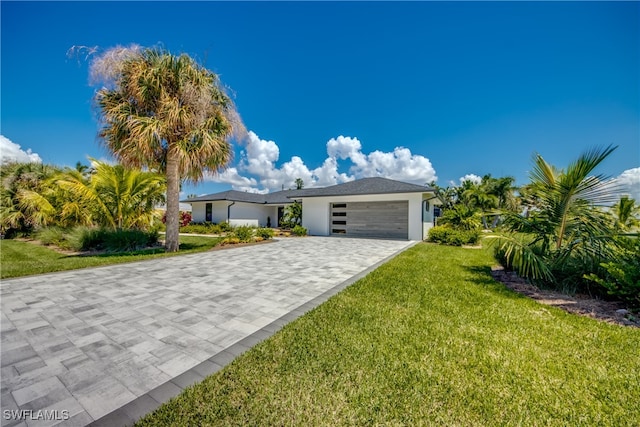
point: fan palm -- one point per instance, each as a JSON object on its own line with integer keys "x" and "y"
{"x": 566, "y": 227}
{"x": 165, "y": 113}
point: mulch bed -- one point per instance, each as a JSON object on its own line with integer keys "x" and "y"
{"x": 583, "y": 305}
{"x": 239, "y": 245}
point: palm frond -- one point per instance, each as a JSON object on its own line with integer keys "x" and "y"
{"x": 522, "y": 257}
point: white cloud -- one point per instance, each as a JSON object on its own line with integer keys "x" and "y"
{"x": 237, "y": 181}
{"x": 260, "y": 156}
{"x": 400, "y": 165}
{"x": 630, "y": 180}
{"x": 11, "y": 152}
{"x": 471, "y": 177}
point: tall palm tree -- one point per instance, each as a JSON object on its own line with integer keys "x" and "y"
{"x": 503, "y": 188}
{"x": 166, "y": 113}
{"x": 566, "y": 222}
{"x": 114, "y": 196}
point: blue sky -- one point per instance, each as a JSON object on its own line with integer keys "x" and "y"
{"x": 333, "y": 91}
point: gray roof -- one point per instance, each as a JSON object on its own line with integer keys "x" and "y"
{"x": 277, "y": 197}
{"x": 364, "y": 186}
{"x": 358, "y": 187}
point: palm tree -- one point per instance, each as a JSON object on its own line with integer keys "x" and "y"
{"x": 476, "y": 196}
{"x": 447, "y": 195}
{"x": 165, "y": 113}
{"x": 503, "y": 188}
{"x": 566, "y": 222}
{"x": 626, "y": 214}
{"x": 22, "y": 204}
{"x": 114, "y": 196}
{"x": 461, "y": 217}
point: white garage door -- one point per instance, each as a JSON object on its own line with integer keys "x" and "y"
{"x": 389, "y": 220}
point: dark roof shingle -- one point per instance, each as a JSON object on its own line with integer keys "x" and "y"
{"x": 277, "y": 197}
{"x": 358, "y": 187}
{"x": 375, "y": 185}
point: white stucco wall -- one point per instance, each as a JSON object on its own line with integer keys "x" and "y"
{"x": 428, "y": 212}
{"x": 218, "y": 213}
{"x": 315, "y": 215}
{"x": 239, "y": 211}
{"x": 316, "y": 210}
{"x": 197, "y": 212}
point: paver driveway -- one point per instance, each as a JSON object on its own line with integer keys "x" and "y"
{"x": 87, "y": 342}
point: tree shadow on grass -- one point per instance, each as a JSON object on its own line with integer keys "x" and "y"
{"x": 482, "y": 276}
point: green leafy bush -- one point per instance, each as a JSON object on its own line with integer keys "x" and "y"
{"x": 292, "y": 215}
{"x": 299, "y": 230}
{"x": 201, "y": 228}
{"x": 225, "y": 227}
{"x": 265, "y": 233}
{"x": 243, "y": 232}
{"x": 115, "y": 241}
{"x": 453, "y": 237}
{"x": 621, "y": 277}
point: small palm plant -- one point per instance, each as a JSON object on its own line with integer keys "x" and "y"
{"x": 114, "y": 196}
{"x": 626, "y": 214}
{"x": 23, "y": 206}
{"x": 566, "y": 231}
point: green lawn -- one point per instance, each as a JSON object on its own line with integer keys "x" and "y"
{"x": 19, "y": 258}
{"x": 427, "y": 339}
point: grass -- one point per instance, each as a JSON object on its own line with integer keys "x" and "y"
{"x": 427, "y": 339}
{"x": 20, "y": 258}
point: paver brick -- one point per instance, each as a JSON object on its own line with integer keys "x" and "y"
{"x": 109, "y": 335}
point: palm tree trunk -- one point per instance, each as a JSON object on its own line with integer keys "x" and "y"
{"x": 172, "y": 236}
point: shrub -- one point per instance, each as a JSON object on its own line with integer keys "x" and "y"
{"x": 621, "y": 277}
{"x": 53, "y": 236}
{"x": 453, "y": 237}
{"x": 299, "y": 230}
{"x": 292, "y": 215}
{"x": 243, "y": 232}
{"x": 265, "y": 233}
{"x": 225, "y": 227}
{"x": 461, "y": 217}
{"x": 202, "y": 228}
{"x": 114, "y": 241}
{"x": 230, "y": 241}
{"x": 185, "y": 218}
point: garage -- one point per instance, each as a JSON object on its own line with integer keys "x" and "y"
{"x": 386, "y": 219}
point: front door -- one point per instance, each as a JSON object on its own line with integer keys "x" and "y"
{"x": 208, "y": 212}
{"x": 280, "y": 214}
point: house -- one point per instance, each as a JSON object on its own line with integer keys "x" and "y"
{"x": 241, "y": 208}
{"x": 368, "y": 207}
